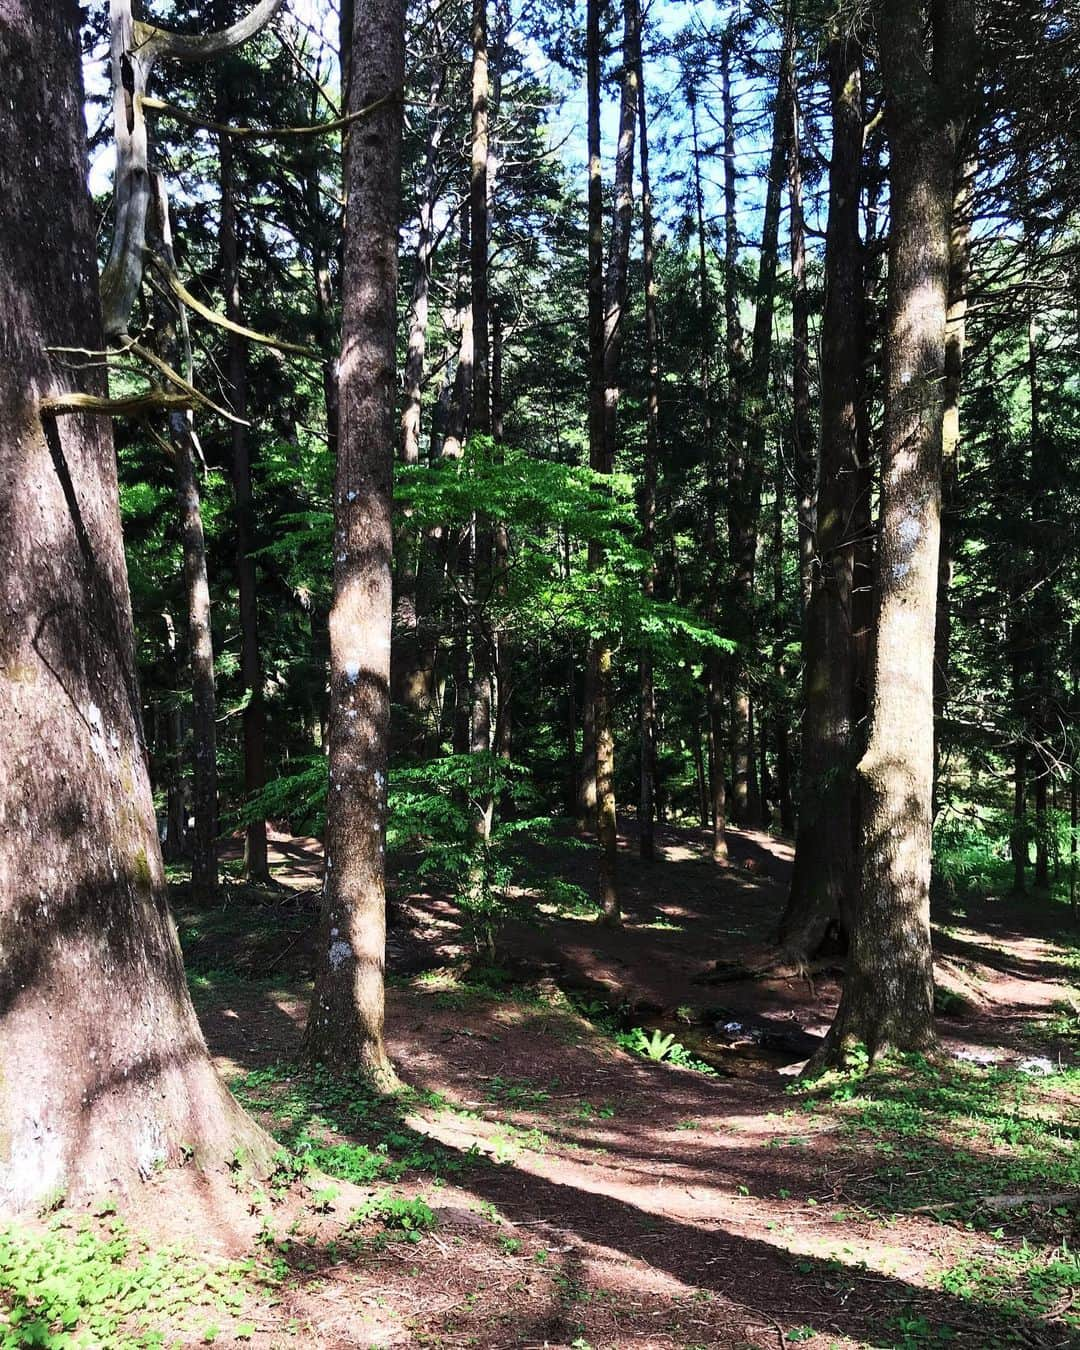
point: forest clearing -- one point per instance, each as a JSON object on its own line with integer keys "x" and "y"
{"x": 540, "y": 674}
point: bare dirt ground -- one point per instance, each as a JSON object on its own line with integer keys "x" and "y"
{"x": 599, "y": 1199}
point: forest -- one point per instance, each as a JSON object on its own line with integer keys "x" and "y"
{"x": 539, "y": 674}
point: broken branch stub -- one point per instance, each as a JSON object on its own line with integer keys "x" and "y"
{"x": 134, "y": 49}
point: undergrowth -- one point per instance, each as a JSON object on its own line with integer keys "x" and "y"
{"x": 72, "y": 1285}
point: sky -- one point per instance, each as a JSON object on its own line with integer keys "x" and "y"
{"x": 669, "y": 136}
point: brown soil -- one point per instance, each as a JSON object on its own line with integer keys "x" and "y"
{"x": 633, "y": 1203}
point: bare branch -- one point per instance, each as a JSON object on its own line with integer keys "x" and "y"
{"x": 262, "y": 133}
{"x": 137, "y": 405}
{"x": 211, "y": 316}
{"x": 181, "y": 47}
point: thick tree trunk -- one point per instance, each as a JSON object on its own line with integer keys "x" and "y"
{"x": 345, "y": 1026}
{"x": 105, "y": 1069}
{"x": 256, "y": 867}
{"x": 824, "y": 879}
{"x": 888, "y": 997}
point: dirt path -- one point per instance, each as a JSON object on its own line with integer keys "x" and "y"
{"x": 605, "y": 1200}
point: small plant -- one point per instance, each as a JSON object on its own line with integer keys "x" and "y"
{"x": 661, "y": 1047}
{"x": 411, "y": 1217}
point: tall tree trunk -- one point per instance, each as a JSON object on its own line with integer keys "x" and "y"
{"x": 1039, "y": 620}
{"x": 171, "y": 335}
{"x": 784, "y": 803}
{"x": 256, "y": 867}
{"x": 410, "y": 667}
{"x": 714, "y": 666}
{"x": 480, "y": 637}
{"x": 803, "y": 426}
{"x": 107, "y": 1071}
{"x": 649, "y": 478}
{"x": 460, "y": 410}
{"x": 614, "y": 316}
{"x": 204, "y": 848}
{"x": 587, "y": 796}
{"x": 345, "y": 1026}
{"x": 416, "y": 348}
{"x": 824, "y": 880}
{"x": 959, "y": 272}
{"x": 746, "y": 466}
{"x": 888, "y": 996}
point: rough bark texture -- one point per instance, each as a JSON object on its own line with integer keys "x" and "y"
{"x": 345, "y": 1027}
{"x": 824, "y": 880}
{"x": 888, "y": 997}
{"x": 105, "y": 1070}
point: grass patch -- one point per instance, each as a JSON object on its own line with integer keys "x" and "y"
{"x": 337, "y": 1125}
{"x": 952, "y": 1136}
{"x": 73, "y": 1285}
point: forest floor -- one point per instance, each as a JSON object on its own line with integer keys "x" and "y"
{"x": 543, "y": 1181}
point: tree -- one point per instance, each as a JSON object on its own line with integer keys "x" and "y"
{"x": 345, "y": 1026}
{"x": 888, "y": 997}
{"x": 98, "y": 1033}
{"x": 823, "y": 882}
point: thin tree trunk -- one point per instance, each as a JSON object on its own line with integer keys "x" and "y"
{"x": 345, "y": 1026}
{"x": 106, "y": 1071}
{"x": 959, "y": 272}
{"x": 411, "y": 674}
{"x": 587, "y": 795}
{"x": 416, "y": 348}
{"x": 256, "y": 866}
{"x": 715, "y": 709}
{"x": 888, "y": 996}
{"x": 1039, "y": 698}
{"x": 604, "y": 461}
{"x": 204, "y": 858}
{"x": 172, "y": 335}
{"x": 824, "y": 881}
{"x": 650, "y": 475}
{"x": 803, "y": 426}
{"x": 784, "y": 804}
{"x": 746, "y": 469}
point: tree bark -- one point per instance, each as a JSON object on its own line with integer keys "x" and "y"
{"x": 803, "y": 426}
{"x": 955, "y": 332}
{"x": 587, "y": 795}
{"x": 345, "y": 1026}
{"x": 256, "y": 866}
{"x": 649, "y": 479}
{"x": 824, "y": 880}
{"x": 715, "y": 709}
{"x": 106, "y": 1071}
{"x": 746, "y": 463}
{"x": 204, "y": 845}
{"x": 888, "y": 996}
